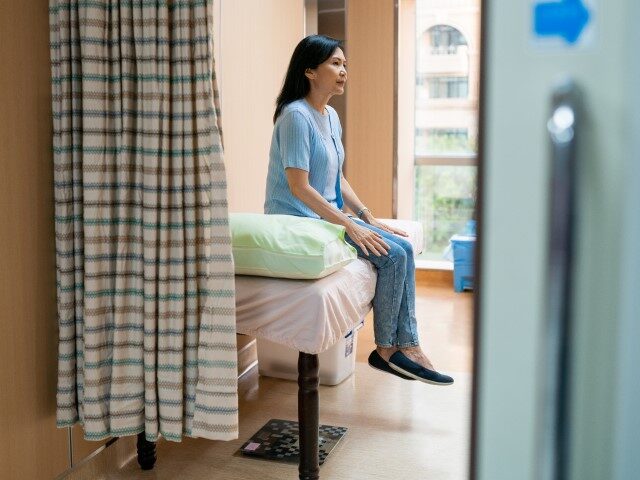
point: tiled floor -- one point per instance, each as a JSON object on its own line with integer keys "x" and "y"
{"x": 397, "y": 429}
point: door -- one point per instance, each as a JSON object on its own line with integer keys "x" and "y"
{"x": 525, "y": 56}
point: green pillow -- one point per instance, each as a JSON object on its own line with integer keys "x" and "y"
{"x": 287, "y": 246}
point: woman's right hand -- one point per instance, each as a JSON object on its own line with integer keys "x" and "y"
{"x": 366, "y": 239}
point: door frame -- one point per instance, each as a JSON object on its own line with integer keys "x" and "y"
{"x": 480, "y": 199}
{"x": 626, "y": 395}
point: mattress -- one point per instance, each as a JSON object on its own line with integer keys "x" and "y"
{"x": 306, "y": 315}
{"x": 311, "y": 315}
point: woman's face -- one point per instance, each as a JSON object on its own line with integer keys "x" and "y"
{"x": 330, "y": 76}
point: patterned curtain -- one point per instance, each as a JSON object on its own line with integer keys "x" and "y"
{"x": 146, "y": 299}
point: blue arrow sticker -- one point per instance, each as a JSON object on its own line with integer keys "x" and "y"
{"x": 565, "y": 20}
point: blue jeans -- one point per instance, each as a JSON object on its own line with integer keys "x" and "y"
{"x": 394, "y": 303}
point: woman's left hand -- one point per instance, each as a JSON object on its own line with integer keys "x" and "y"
{"x": 374, "y": 222}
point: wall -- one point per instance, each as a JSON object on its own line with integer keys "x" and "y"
{"x": 370, "y": 102}
{"x": 256, "y": 40}
{"x": 253, "y": 48}
{"x": 32, "y": 446}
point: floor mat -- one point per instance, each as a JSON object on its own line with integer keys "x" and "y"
{"x": 278, "y": 440}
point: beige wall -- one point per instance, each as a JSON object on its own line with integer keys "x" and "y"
{"x": 370, "y": 102}
{"x": 256, "y": 41}
{"x": 32, "y": 447}
{"x": 253, "y": 47}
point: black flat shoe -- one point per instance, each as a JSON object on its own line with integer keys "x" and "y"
{"x": 402, "y": 364}
{"x": 379, "y": 363}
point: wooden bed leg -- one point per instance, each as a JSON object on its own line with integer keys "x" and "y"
{"x": 308, "y": 416}
{"x": 146, "y": 452}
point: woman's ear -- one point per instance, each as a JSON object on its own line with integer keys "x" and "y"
{"x": 310, "y": 74}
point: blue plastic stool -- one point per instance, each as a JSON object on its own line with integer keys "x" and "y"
{"x": 463, "y": 247}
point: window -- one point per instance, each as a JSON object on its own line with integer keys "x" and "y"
{"x": 437, "y": 141}
{"x": 448, "y": 87}
{"x": 445, "y": 131}
{"x": 434, "y": 86}
{"x": 445, "y": 40}
{"x": 445, "y": 199}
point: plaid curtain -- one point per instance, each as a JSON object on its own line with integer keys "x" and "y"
{"x": 146, "y": 299}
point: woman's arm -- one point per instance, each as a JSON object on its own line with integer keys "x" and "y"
{"x": 366, "y": 239}
{"x": 298, "y": 180}
{"x": 353, "y": 202}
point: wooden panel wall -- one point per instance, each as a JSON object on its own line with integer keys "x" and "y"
{"x": 256, "y": 43}
{"x": 32, "y": 447}
{"x": 370, "y": 102}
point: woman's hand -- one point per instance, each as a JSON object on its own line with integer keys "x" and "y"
{"x": 374, "y": 222}
{"x": 366, "y": 239}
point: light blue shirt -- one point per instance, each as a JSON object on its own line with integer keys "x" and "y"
{"x": 299, "y": 141}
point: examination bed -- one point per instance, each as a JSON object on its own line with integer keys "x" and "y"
{"x": 309, "y": 316}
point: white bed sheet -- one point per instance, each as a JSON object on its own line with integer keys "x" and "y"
{"x": 413, "y": 228}
{"x": 306, "y": 315}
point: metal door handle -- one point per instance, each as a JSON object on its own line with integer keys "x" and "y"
{"x": 563, "y": 132}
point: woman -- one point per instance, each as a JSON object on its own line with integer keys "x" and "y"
{"x": 305, "y": 179}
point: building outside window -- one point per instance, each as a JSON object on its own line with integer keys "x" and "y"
{"x": 446, "y": 119}
{"x": 445, "y": 40}
{"x": 448, "y": 87}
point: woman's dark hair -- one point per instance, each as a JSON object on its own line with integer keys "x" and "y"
{"x": 309, "y": 53}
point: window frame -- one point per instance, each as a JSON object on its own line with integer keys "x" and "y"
{"x": 445, "y": 160}
{"x": 408, "y": 160}
{"x": 449, "y": 32}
